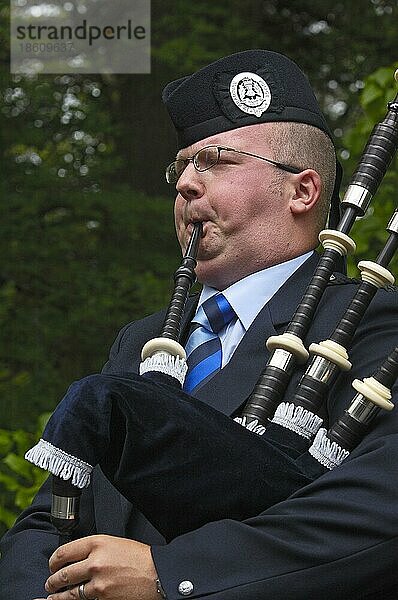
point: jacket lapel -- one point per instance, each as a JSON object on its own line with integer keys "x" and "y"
{"x": 230, "y": 388}
{"x": 283, "y": 304}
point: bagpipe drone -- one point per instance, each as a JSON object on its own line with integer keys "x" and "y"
{"x": 158, "y": 445}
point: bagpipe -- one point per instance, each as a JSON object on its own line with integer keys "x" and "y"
{"x": 159, "y": 446}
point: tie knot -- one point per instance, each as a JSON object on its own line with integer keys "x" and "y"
{"x": 217, "y": 311}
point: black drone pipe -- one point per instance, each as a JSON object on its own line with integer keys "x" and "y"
{"x": 297, "y": 419}
{"x": 331, "y": 448}
{"x": 288, "y": 349}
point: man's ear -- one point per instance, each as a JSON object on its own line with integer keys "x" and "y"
{"x": 306, "y": 191}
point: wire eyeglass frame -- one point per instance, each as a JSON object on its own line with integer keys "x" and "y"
{"x": 177, "y": 167}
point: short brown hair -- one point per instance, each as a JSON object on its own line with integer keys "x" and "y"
{"x": 306, "y": 147}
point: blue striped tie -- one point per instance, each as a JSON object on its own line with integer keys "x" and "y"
{"x": 204, "y": 352}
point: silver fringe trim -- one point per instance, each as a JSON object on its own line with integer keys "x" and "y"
{"x": 328, "y": 453}
{"x": 297, "y": 419}
{"x": 252, "y": 426}
{"x": 165, "y": 363}
{"x": 59, "y": 463}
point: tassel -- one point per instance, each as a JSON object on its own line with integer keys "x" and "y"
{"x": 165, "y": 363}
{"x": 252, "y": 426}
{"x": 298, "y": 419}
{"x": 59, "y": 463}
{"x": 328, "y": 453}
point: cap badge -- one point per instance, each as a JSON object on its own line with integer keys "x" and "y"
{"x": 250, "y": 93}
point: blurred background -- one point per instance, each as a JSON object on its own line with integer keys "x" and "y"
{"x": 86, "y": 231}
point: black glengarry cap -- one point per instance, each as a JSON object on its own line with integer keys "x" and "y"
{"x": 254, "y": 86}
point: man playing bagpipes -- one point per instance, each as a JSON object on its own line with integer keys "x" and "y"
{"x": 257, "y": 167}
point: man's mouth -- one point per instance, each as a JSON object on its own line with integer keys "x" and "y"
{"x": 191, "y": 224}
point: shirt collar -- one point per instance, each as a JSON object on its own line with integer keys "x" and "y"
{"x": 259, "y": 287}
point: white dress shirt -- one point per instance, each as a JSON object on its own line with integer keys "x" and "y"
{"x": 247, "y": 297}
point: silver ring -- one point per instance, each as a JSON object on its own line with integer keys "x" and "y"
{"x": 82, "y": 595}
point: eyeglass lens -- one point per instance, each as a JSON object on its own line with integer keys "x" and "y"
{"x": 204, "y": 159}
{"x": 207, "y": 158}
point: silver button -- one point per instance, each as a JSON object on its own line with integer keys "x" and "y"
{"x": 185, "y": 588}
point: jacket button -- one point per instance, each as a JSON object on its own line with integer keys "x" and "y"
{"x": 185, "y": 588}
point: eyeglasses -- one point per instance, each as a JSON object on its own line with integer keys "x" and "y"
{"x": 209, "y": 157}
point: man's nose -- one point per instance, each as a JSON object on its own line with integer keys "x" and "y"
{"x": 189, "y": 184}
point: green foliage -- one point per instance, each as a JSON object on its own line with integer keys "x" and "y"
{"x": 337, "y": 44}
{"x": 87, "y": 263}
{"x": 19, "y": 480}
{"x": 56, "y": 134}
{"x": 369, "y": 232}
{"x": 187, "y": 37}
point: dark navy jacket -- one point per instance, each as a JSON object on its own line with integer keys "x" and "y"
{"x": 335, "y": 538}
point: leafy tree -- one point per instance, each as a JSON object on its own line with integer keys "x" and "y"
{"x": 19, "y": 480}
{"x": 87, "y": 264}
{"x": 369, "y": 232}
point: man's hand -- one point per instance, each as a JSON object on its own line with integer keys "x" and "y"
{"x": 111, "y": 568}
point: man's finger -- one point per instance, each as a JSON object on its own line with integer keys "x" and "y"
{"x": 71, "y": 552}
{"x": 67, "y": 576}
